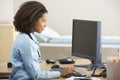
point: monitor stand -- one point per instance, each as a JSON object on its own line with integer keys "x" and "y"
{"x": 91, "y": 66}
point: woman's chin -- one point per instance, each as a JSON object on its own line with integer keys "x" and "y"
{"x": 39, "y": 31}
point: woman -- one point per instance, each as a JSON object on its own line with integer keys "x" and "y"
{"x": 25, "y": 55}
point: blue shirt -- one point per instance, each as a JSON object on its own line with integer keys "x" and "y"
{"x": 26, "y": 60}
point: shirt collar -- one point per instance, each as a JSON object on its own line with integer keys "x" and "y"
{"x": 34, "y": 38}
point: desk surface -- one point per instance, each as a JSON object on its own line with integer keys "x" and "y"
{"x": 5, "y": 70}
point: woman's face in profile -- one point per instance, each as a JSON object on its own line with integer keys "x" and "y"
{"x": 41, "y": 23}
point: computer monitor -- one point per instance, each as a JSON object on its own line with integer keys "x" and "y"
{"x": 86, "y": 41}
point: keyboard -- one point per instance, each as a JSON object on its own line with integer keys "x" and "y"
{"x": 83, "y": 78}
{"x": 79, "y": 72}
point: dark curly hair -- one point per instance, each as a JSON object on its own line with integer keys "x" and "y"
{"x": 28, "y": 13}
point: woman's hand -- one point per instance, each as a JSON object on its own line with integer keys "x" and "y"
{"x": 68, "y": 70}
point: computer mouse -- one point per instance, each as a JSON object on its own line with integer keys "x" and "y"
{"x": 55, "y": 66}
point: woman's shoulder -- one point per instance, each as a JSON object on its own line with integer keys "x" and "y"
{"x": 22, "y": 36}
{"x": 22, "y": 39}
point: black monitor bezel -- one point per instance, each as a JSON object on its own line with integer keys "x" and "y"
{"x": 97, "y": 56}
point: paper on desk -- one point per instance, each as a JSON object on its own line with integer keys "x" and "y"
{"x": 73, "y": 78}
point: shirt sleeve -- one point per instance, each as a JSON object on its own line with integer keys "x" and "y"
{"x": 31, "y": 63}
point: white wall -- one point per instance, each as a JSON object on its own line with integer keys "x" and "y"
{"x": 6, "y": 11}
{"x": 61, "y": 13}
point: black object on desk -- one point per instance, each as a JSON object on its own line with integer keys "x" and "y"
{"x": 66, "y": 61}
{"x": 9, "y": 65}
{"x": 55, "y": 66}
{"x": 61, "y": 61}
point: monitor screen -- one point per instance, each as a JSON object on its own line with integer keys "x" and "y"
{"x": 86, "y": 39}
